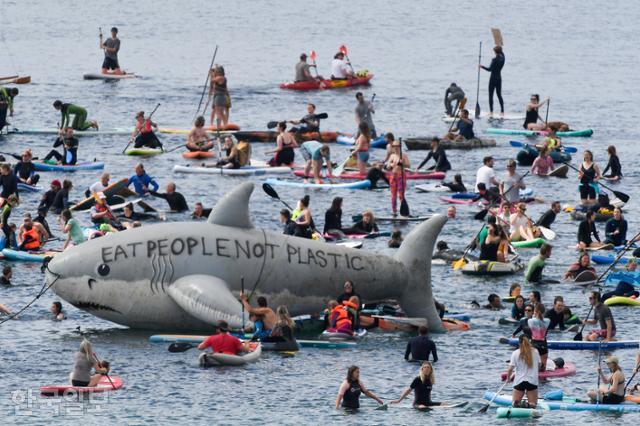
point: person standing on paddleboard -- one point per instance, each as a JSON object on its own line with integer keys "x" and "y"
{"x": 495, "y": 80}
{"x": 219, "y": 92}
{"x": 364, "y": 114}
{"x": 397, "y": 182}
{"x": 111, "y": 46}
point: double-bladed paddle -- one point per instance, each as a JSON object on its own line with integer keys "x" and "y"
{"x": 620, "y": 195}
{"x": 321, "y": 116}
{"x": 268, "y": 189}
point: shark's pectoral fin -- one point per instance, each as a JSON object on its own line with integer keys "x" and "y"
{"x": 208, "y": 298}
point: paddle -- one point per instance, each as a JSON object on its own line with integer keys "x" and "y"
{"x": 180, "y": 347}
{"x": 457, "y": 264}
{"x": 242, "y": 292}
{"x": 11, "y": 77}
{"x": 632, "y": 377}
{"x": 135, "y": 135}
{"x": 486, "y": 407}
{"x": 404, "y": 206}
{"x": 268, "y": 189}
{"x": 620, "y": 195}
{"x": 567, "y": 149}
{"x": 312, "y": 55}
{"x": 483, "y": 213}
{"x": 206, "y": 82}
{"x": 546, "y": 118}
{"x": 344, "y": 50}
{"x": 322, "y": 116}
{"x": 599, "y": 366}
{"x": 478, "y": 84}
{"x": 110, "y": 381}
{"x": 175, "y": 148}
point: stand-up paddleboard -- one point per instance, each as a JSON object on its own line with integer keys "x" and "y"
{"x": 559, "y": 172}
{"x": 109, "y": 191}
{"x": 196, "y": 339}
{"x": 54, "y": 131}
{"x": 571, "y": 404}
{"x": 490, "y": 117}
{"x": 109, "y": 76}
{"x": 582, "y": 344}
{"x": 24, "y": 187}
{"x": 432, "y": 187}
{"x": 106, "y": 384}
{"x": 89, "y": 165}
{"x": 569, "y": 369}
{"x": 523, "y": 132}
{"x": 143, "y": 152}
{"x": 242, "y": 171}
{"x": 361, "y": 184}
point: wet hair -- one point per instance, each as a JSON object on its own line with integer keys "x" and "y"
{"x": 442, "y": 245}
{"x": 589, "y": 214}
{"x": 611, "y": 150}
{"x": 57, "y": 104}
{"x": 558, "y": 299}
{"x": 114, "y": 30}
{"x": 58, "y": 306}
{"x": 498, "y": 50}
{"x": 535, "y": 95}
{"x": 482, "y": 186}
{"x": 351, "y": 371}
{"x": 359, "y": 95}
{"x": 423, "y": 330}
{"x": 545, "y": 248}
{"x": 555, "y": 203}
{"x": 286, "y": 213}
{"x": 67, "y": 184}
{"x": 336, "y": 204}
{"x": 282, "y": 125}
{"x": 199, "y": 121}
{"x": 305, "y": 200}
{"x": 262, "y": 302}
{"x": 493, "y": 297}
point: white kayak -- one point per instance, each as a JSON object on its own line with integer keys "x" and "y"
{"x": 108, "y": 77}
{"x": 218, "y": 359}
{"x": 332, "y": 335}
{"x": 242, "y": 171}
{"x": 496, "y": 116}
{"x": 432, "y": 187}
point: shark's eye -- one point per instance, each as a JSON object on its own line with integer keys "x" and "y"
{"x": 104, "y": 269}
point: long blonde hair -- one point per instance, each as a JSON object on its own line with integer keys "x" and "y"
{"x": 86, "y": 350}
{"x": 525, "y": 350}
{"x": 432, "y": 375}
{"x": 284, "y": 318}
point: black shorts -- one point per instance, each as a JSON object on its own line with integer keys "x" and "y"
{"x": 525, "y": 386}
{"x": 541, "y": 346}
{"x": 611, "y": 398}
{"x": 587, "y": 192}
{"x": 79, "y": 383}
{"x": 110, "y": 64}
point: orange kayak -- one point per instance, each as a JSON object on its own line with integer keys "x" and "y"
{"x": 229, "y": 126}
{"x": 198, "y": 154}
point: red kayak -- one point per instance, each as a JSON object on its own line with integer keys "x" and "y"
{"x": 268, "y": 136}
{"x": 359, "y": 176}
{"x": 569, "y": 369}
{"x": 104, "y": 385}
{"x": 327, "y": 84}
{"x": 198, "y": 154}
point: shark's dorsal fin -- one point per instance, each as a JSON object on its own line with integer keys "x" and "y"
{"x": 233, "y": 208}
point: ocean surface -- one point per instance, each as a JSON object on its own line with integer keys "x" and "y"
{"x": 582, "y": 55}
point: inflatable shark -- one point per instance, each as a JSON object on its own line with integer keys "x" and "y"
{"x": 187, "y": 275}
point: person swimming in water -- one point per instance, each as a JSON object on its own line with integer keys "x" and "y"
{"x": 421, "y": 387}
{"x": 350, "y": 390}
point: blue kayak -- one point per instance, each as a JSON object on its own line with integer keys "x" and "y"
{"x": 196, "y": 339}
{"x": 585, "y": 345}
{"x": 89, "y": 165}
{"x": 379, "y": 142}
{"x": 631, "y": 277}
{"x": 360, "y": 184}
{"x": 524, "y": 193}
{"x": 23, "y": 187}
{"x": 569, "y": 404}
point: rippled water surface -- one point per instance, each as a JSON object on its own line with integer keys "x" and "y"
{"x": 583, "y": 55}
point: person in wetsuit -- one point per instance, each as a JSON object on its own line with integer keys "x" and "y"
{"x": 25, "y": 170}
{"x": 438, "y": 155}
{"x": 532, "y": 115}
{"x": 613, "y": 165}
{"x": 556, "y": 315}
{"x": 366, "y": 225}
{"x": 495, "y": 80}
{"x": 550, "y": 215}
{"x": 587, "y": 228}
{"x": 176, "y": 200}
{"x": 375, "y": 173}
{"x": 537, "y": 263}
{"x": 308, "y": 123}
{"x": 456, "y": 185}
{"x": 615, "y": 230}
{"x": 421, "y": 387}
{"x": 350, "y": 390}
{"x": 289, "y": 226}
{"x": 420, "y": 347}
{"x": 79, "y": 116}
{"x": 69, "y": 148}
{"x": 453, "y": 93}
{"x": 523, "y": 325}
{"x": 333, "y": 217}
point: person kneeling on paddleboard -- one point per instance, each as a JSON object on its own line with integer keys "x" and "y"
{"x": 223, "y": 342}
{"x": 612, "y": 391}
{"x": 143, "y": 133}
{"x": 421, "y": 387}
{"x": 79, "y": 116}
{"x": 525, "y": 361}
{"x": 198, "y": 140}
{"x": 601, "y": 315}
{"x": 69, "y": 144}
{"x": 84, "y": 361}
{"x": 453, "y": 93}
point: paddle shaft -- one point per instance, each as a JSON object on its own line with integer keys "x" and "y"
{"x": 242, "y": 291}
{"x": 599, "y": 372}
{"x": 404, "y": 206}
{"x": 344, "y": 50}
{"x": 477, "y": 114}
{"x": 110, "y": 381}
{"x": 486, "y": 407}
{"x": 621, "y": 195}
{"x": 204, "y": 88}
{"x": 631, "y": 379}
{"x": 139, "y": 131}
{"x": 546, "y": 118}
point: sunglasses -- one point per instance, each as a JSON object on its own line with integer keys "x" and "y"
{"x": 528, "y": 310}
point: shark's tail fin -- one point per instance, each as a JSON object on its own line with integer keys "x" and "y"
{"x": 415, "y": 253}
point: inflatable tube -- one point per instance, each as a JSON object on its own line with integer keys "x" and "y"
{"x": 484, "y": 267}
{"x": 27, "y": 256}
{"x": 45, "y": 167}
{"x": 603, "y": 259}
{"x": 143, "y": 151}
{"x": 242, "y": 171}
{"x": 106, "y": 384}
{"x": 522, "y": 132}
{"x": 270, "y": 136}
{"x": 361, "y": 184}
{"x": 197, "y": 339}
{"x": 197, "y": 154}
{"x": 23, "y": 187}
{"x": 326, "y": 84}
{"x": 599, "y": 217}
{"x": 569, "y": 404}
{"x": 622, "y": 301}
{"x": 535, "y": 243}
{"x": 459, "y": 316}
{"x": 585, "y": 345}
{"x": 218, "y": 359}
{"x": 630, "y": 277}
{"x": 569, "y": 369}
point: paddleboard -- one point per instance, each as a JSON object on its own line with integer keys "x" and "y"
{"x": 106, "y": 384}
{"x": 361, "y": 184}
{"x": 197, "y": 154}
{"x": 351, "y": 244}
{"x": 109, "y": 77}
{"x": 88, "y": 165}
{"x": 55, "y": 131}
{"x": 523, "y": 132}
{"x": 570, "y": 404}
{"x": 197, "y": 339}
{"x": 143, "y": 151}
{"x": 23, "y": 187}
{"x": 569, "y": 369}
{"x": 583, "y": 344}
{"x": 242, "y": 171}
{"x": 488, "y": 116}
{"x": 559, "y": 172}
{"x": 518, "y": 413}
{"x": 113, "y": 189}
{"x": 432, "y": 187}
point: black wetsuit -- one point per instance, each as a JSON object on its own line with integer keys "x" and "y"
{"x": 362, "y": 228}
{"x": 587, "y": 191}
{"x": 289, "y": 227}
{"x": 332, "y": 220}
{"x": 176, "y": 200}
{"x": 205, "y": 214}
{"x": 623, "y": 289}
{"x": 47, "y": 199}
{"x": 422, "y": 393}
{"x": 613, "y": 225}
{"x": 25, "y": 171}
{"x": 9, "y": 185}
{"x": 555, "y": 319}
{"x": 455, "y": 187}
{"x": 531, "y": 117}
{"x": 71, "y": 147}
{"x": 495, "y": 80}
{"x": 61, "y": 201}
{"x": 374, "y": 175}
{"x": 523, "y": 327}
{"x": 43, "y": 221}
{"x": 547, "y": 219}
{"x": 439, "y": 156}
{"x": 614, "y": 166}
{"x": 585, "y": 229}
{"x": 351, "y": 398}
{"x": 420, "y": 347}
{"x": 489, "y": 251}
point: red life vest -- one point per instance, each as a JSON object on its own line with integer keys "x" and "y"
{"x": 34, "y": 239}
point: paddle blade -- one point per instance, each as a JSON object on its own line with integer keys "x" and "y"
{"x": 404, "y": 208}
{"x": 481, "y": 214}
{"x": 338, "y": 170}
{"x": 322, "y": 116}
{"x": 484, "y": 409}
{"x": 458, "y": 264}
{"x": 312, "y": 55}
{"x": 547, "y": 233}
{"x": 180, "y": 347}
{"x": 382, "y": 407}
{"x": 570, "y": 149}
{"x": 268, "y": 189}
{"x": 272, "y": 124}
{"x": 344, "y": 50}
{"x": 23, "y": 80}
{"x": 578, "y": 336}
{"x": 477, "y": 110}
{"x": 621, "y": 196}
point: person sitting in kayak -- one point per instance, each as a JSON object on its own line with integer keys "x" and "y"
{"x": 613, "y": 388}
{"x": 198, "y": 139}
{"x": 366, "y": 225}
{"x": 289, "y": 225}
{"x": 141, "y": 181}
{"x": 340, "y": 69}
{"x": 543, "y": 164}
{"x": 315, "y": 154}
{"x": 79, "y": 116}
{"x": 176, "y": 200}
{"x": 285, "y": 143}
{"x": 350, "y": 390}
{"x": 84, "y": 361}
{"x": 420, "y": 347}
{"x": 376, "y": 173}
{"x": 69, "y": 144}
{"x": 438, "y": 155}
{"x": 56, "y": 310}
{"x": 31, "y": 236}
{"x": 532, "y": 115}
{"x": 308, "y": 123}
{"x": 537, "y": 263}
{"x": 333, "y": 217}
{"x": 464, "y": 129}
{"x": 303, "y": 70}
{"x": 282, "y": 333}
{"x": 453, "y": 93}
{"x": 223, "y": 342}
{"x": 613, "y": 165}
{"x": 25, "y": 170}
{"x": 615, "y": 230}
{"x": 582, "y": 265}
{"x": 601, "y": 315}
{"x": 456, "y": 185}
{"x": 525, "y": 362}
{"x": 586, "y": 228}
{"x": 263, "y": 316}
{"x": 111, "y": 47}
{"x": 517, "y": 310}
{"x": 143, "y": 133}
{"x": 421, "y": 387}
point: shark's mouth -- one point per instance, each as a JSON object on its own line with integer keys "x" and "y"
{"x": 91, "y": 306}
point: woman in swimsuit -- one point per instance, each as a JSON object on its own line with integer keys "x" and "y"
{"x": 612, "y": 391}
{"x": 285, "y": 142}
{"x": 350, "y": 390}
{"x": 361, "y": 149}
{"x": 589, "y": 176}
{"x": 532, "y": 116}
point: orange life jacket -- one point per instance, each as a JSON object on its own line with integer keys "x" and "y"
{"x": 34, "y": 239}
{"x": 341, "y": 315}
